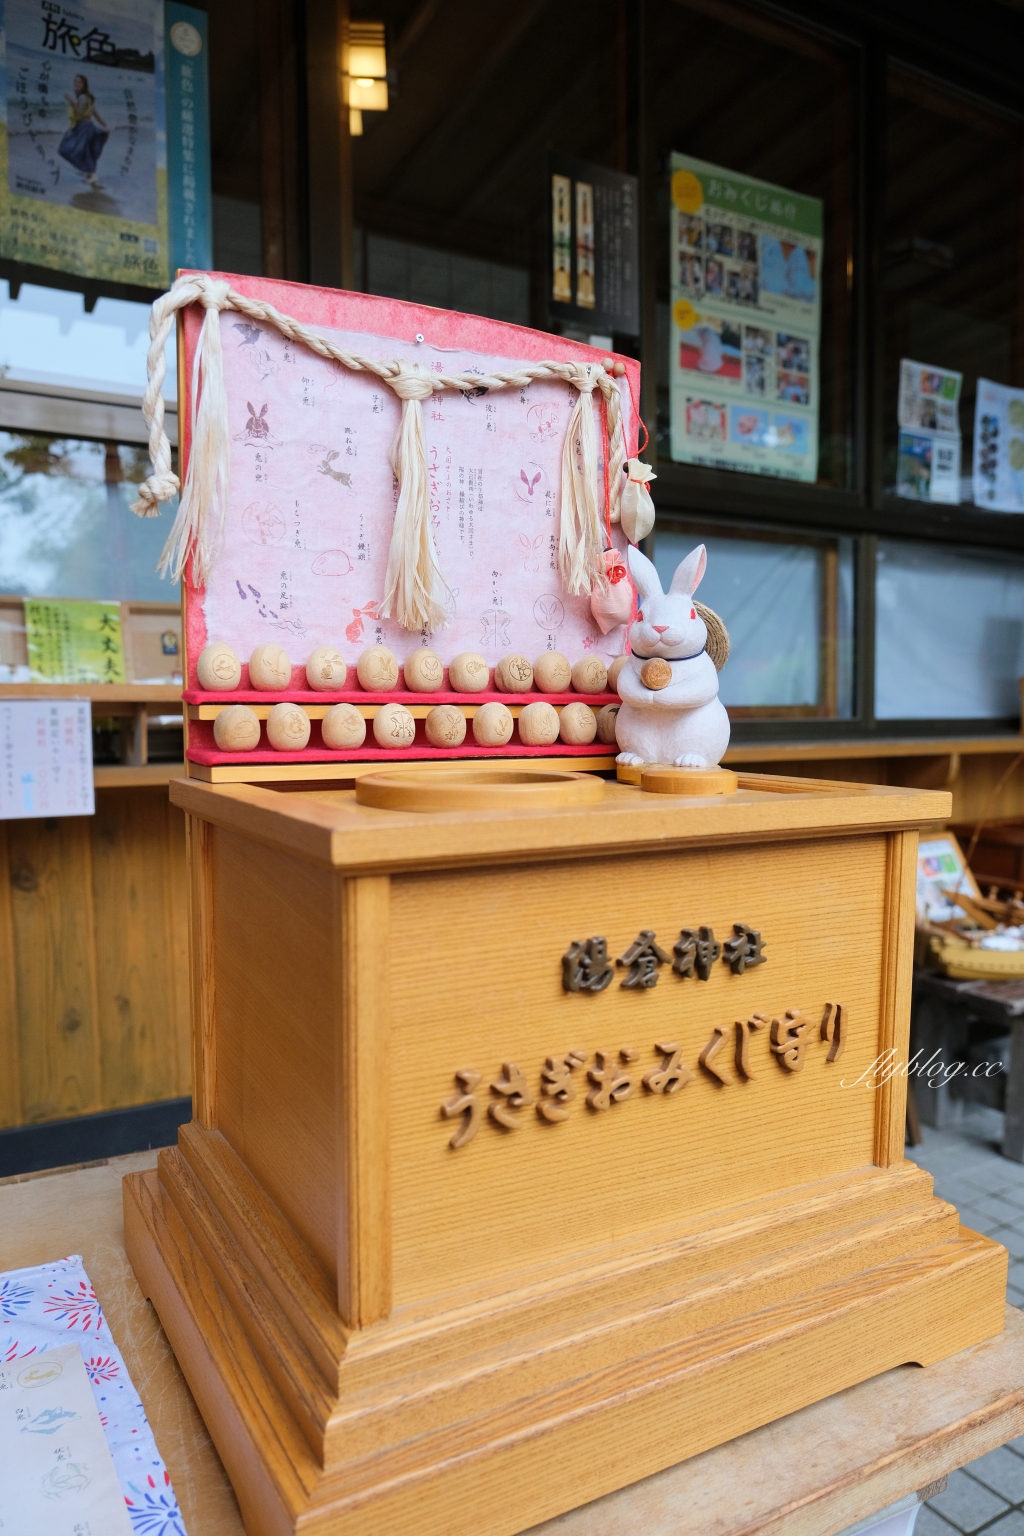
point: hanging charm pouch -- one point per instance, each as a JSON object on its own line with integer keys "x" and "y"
{"x": 637, "y": 508}
{"x": 612, "y": 603}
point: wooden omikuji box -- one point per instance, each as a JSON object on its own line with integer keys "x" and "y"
{"x": 536, "y": 1149}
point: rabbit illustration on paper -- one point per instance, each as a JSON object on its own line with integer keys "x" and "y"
{"x": 683, "y": 722}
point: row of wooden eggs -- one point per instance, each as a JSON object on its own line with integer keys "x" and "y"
{"x": 343, "y": 728}
{"x": 270, "y": 670}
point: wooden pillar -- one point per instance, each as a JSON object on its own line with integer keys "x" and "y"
{"x": 329, "y": 147}
{"x": 283, "y": 182}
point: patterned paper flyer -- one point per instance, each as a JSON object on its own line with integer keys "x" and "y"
{"x": 45, "y": 1308}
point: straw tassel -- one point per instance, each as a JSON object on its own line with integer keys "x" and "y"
{"x": 580, "y": 540}
{"x": 414, "y": 589}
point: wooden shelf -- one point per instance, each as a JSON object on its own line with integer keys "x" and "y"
{"x": 831, "y": 751}
{"x": 97, "y": 693}
{"x": 121, "y": 775}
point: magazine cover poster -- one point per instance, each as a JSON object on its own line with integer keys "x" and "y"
{"x": 84, "y": 184}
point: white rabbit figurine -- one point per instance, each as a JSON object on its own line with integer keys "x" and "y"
{"x": 684, "y": 723}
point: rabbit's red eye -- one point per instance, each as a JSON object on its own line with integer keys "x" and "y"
{"x": 693, "y": 613}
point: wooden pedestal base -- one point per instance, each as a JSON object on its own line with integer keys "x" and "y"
{"x": 582, "y": 1377}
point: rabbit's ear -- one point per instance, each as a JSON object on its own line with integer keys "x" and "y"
{"x": 524, "y": 541}
{"x": 689, "y": 571}
{"x": 645, "y": 577}
{"x": 252, "y": 408}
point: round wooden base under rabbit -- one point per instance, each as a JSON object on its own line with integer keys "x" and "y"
{"x": 513, "y": 674}
{"x": 218, "y": 667}
{"x": 326, "y": 669}
{"x": 590, "y": 675}
{"x": 269, "y": 668}
{"x": 377, "y": 669}
{"x": 613, "y": 672}
{"x": 578, "y": 725}
{"x": 468, "y": 672}
{"x": 394, "y": 726}
{"x": 606, "y": 723}
{"x": 656, "y": 673}
{"x": 343, "y": 728}
{"x": 287, "y": 728}
{"x": 538, "y": 724}
{"x": 445, "y": 726}
{"x": 424, "y": 671}
{"x": 552, "y": 672}
{"x": 237, "y": 729}
{"x": 492, "y": 725}
{"x": 659, "y": 779}
{"x": 630, "y": 773}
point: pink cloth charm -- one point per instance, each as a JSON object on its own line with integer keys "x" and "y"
{"x": 612, "y": 603}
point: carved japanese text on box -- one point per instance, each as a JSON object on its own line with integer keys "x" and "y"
{"x": 587, "y": 967}
{"x": 614, "y": 1074}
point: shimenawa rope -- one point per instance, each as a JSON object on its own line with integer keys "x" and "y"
{"x": 415, "y": 590}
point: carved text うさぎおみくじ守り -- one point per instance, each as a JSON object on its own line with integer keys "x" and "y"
{"x": 614, "y": 1075}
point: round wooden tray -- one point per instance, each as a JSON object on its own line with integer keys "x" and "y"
{"x": 476, "y": 789}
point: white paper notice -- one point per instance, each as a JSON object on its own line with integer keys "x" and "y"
{"x": 56, "y": 1472}
{"x": 45, "y": 758}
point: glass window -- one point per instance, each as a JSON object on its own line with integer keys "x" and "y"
{"x": 48, "y": 337}
{"x": 953, "y": 285}
{"x": 66, "y": 527}
{"x": 949, "y": 633}
{"x": 730, "y": 87}
{"x": 788, "y": 607}
{"x": 451, "y": 187}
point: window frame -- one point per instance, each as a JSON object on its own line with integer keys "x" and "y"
{"x": 956, "y": 63}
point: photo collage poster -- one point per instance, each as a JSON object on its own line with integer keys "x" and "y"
{"x": 83, "y": 138}
{"x": 999, "y": 447}
{"x": 928, "y": 452}
{"x": 746, "y": 321}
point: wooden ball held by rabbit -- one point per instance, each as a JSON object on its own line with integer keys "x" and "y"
{"x": 676, "y": 718}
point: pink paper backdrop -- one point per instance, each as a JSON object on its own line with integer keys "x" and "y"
{"x": 312, "y": 495}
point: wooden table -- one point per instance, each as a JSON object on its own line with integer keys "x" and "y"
{"x": 943, "y": 1009}
{"x": 812, "y": 1473}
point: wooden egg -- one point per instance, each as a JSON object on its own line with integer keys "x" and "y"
{"x": 656, "y": 673}
{"x": 590, "y": 675}
{"x": 446, "y": 726}
{"x": 394, "y": 726}
{"x": 578, "y": 725}
{"x": 269, "y": 667}
{"x": 237, "y": 729}
{"x": 606, "y": 723}
{"x": 613, "y": 672}
{"x": 377, "y": 669}
{"x": 469, "y": 672}
{"x": 218, "y": 667}
{"x": 326, "y": 669}
{"x": 424, "y": 671}
{"x": 492, "y": 725}
{"x": 287, "y": 728}
{"x": 538, "y": 724}
{"x": 513, "y": 674}
{"x": 552, "y": 672}
{"x": 343, "y": 728}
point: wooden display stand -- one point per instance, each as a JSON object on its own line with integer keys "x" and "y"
{"x": 535, "y": 1150}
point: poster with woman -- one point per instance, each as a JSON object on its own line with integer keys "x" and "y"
{"x": 83, "y": 186}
